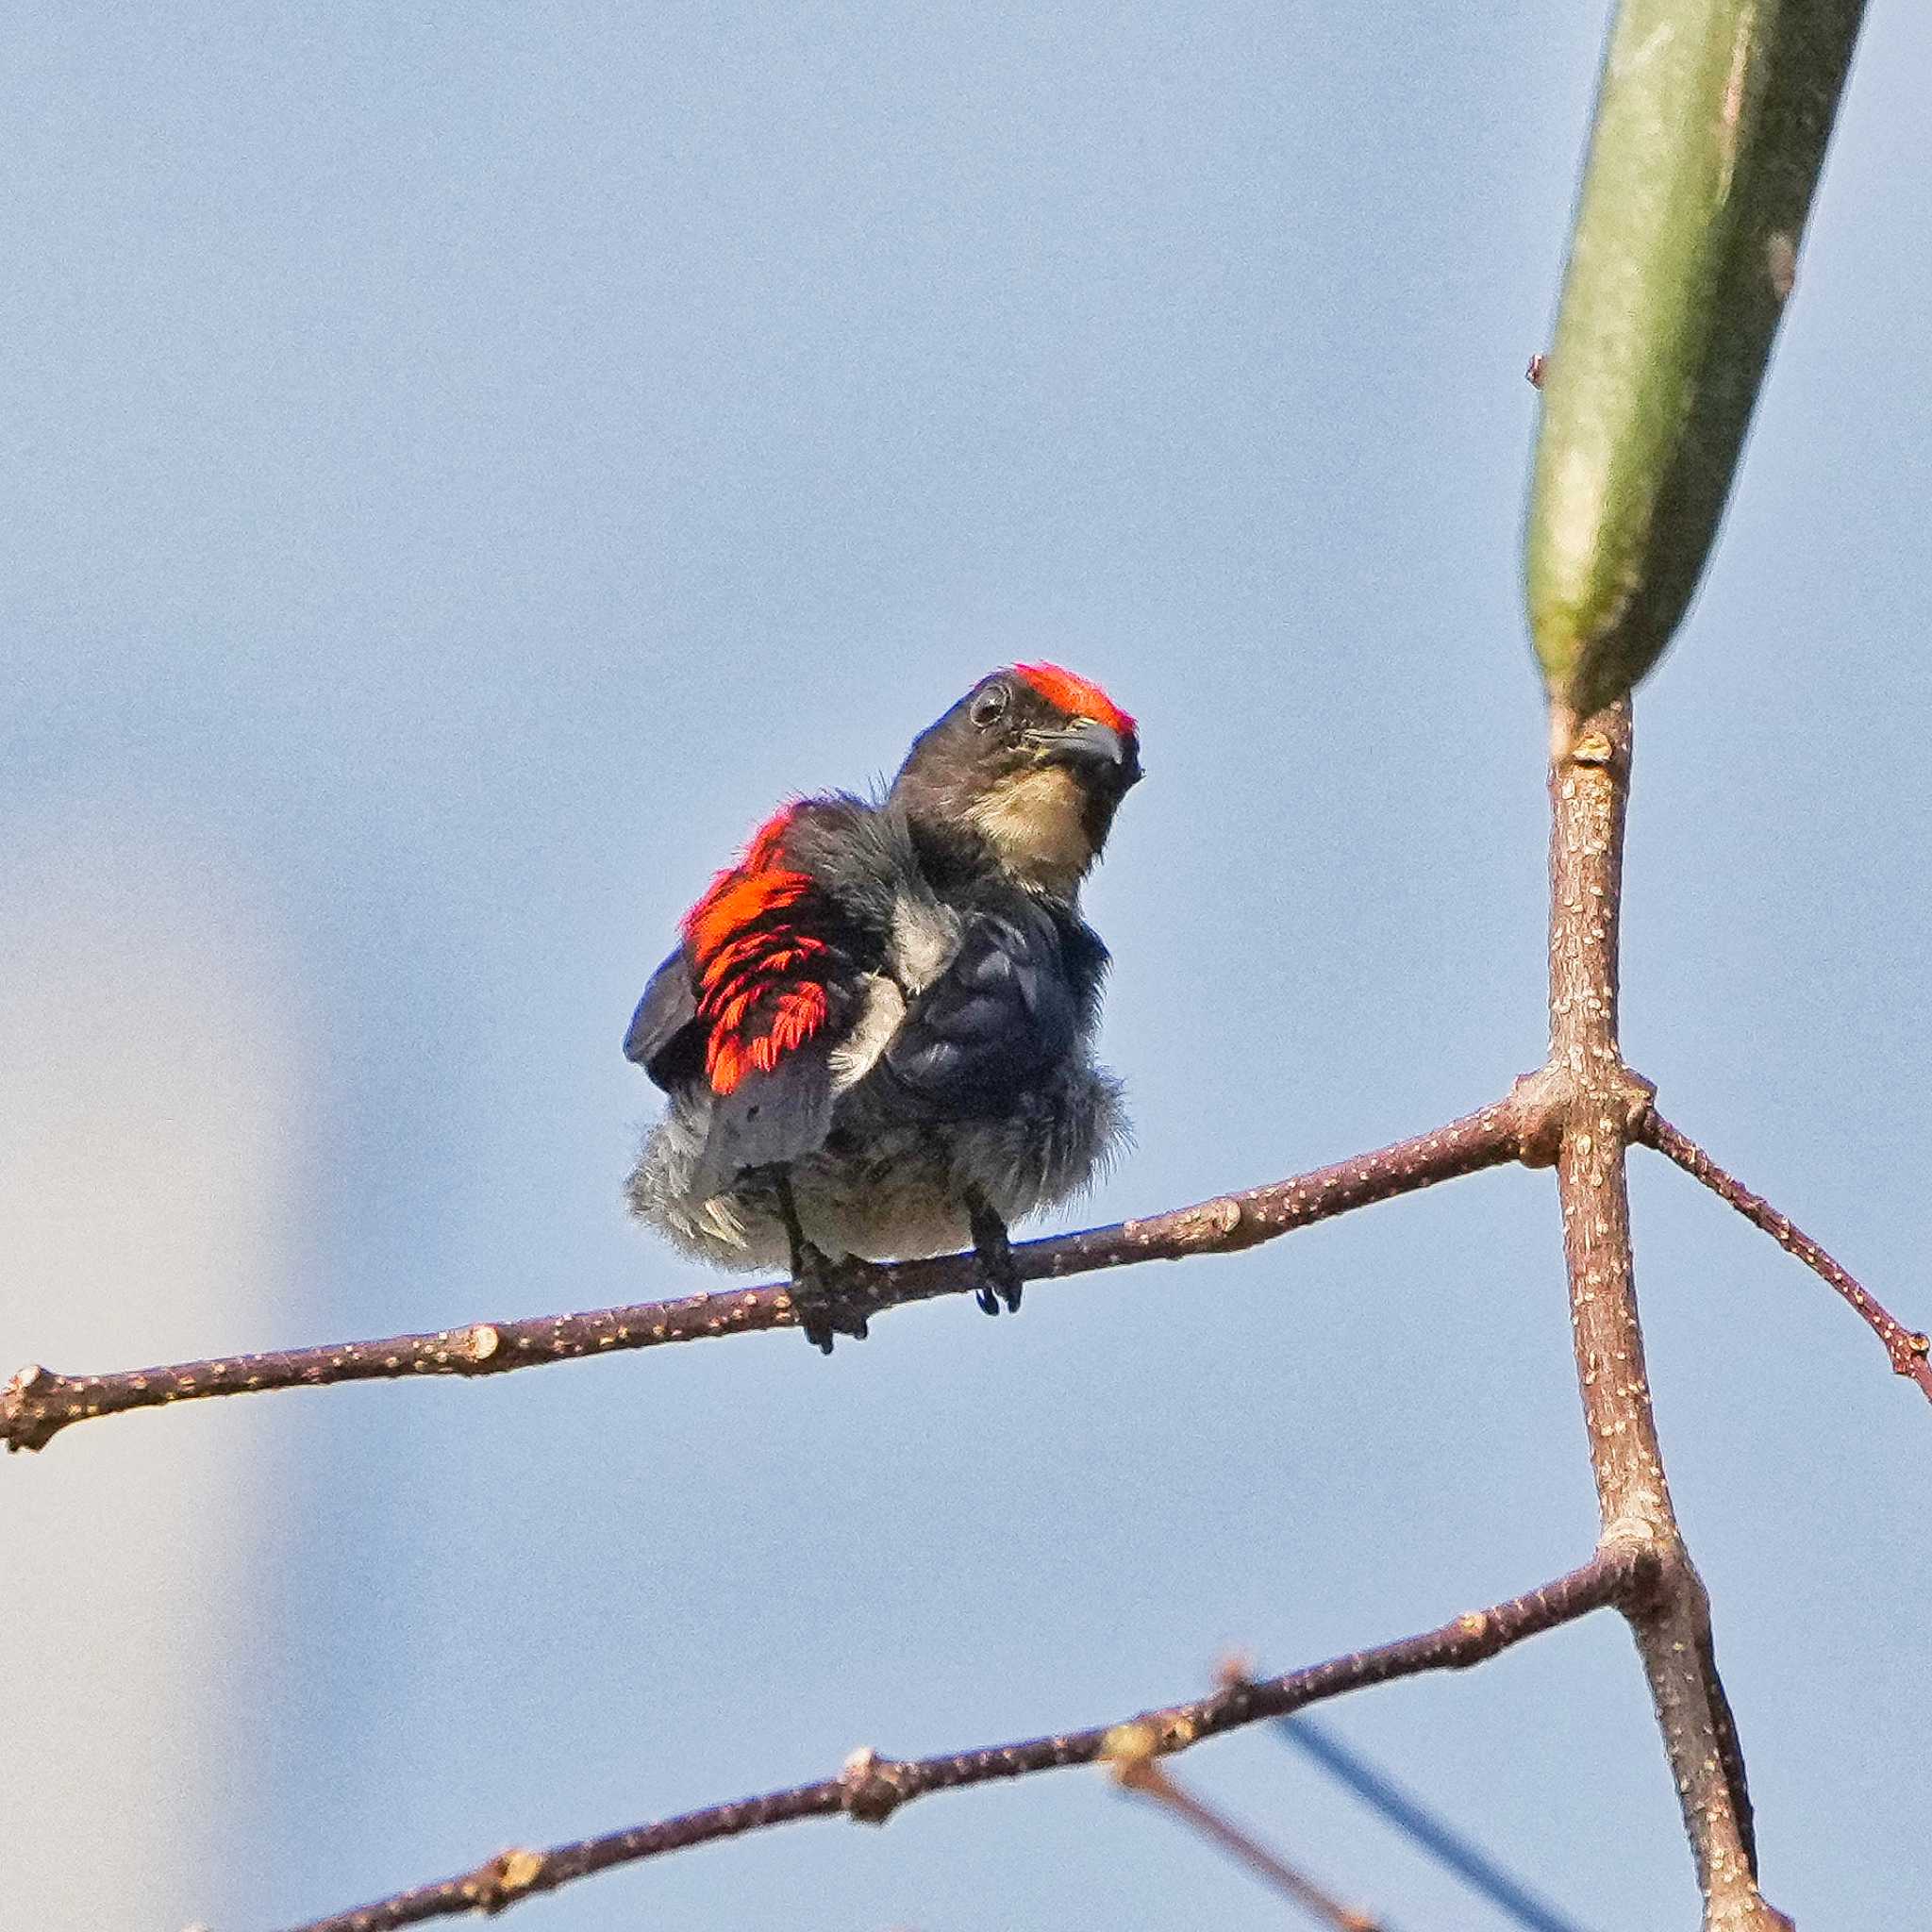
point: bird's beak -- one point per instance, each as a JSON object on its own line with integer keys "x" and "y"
{"x": 1086, "y": 741}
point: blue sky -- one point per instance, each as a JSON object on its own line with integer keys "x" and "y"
{"x": 464, "y": 466}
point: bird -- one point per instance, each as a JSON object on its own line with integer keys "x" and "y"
{"x": 875, "y": 1033}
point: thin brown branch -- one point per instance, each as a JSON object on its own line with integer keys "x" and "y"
{"x": 1589, "y": 789}
{"x": 1136, "y": 1768}
{"x": 39, "y": 1403}
{"x": 1910, "y": 1350}
{"x": 871, "y": 1787}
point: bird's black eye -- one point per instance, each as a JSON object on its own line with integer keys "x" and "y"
{"x": 989, "y": 706}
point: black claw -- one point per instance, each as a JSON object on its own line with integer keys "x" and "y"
{"x": 999, "y": 1278}
{"x": 814, "y": 1316}
{"x": 829, "y": 1297}
{"x": 810, "y": 1302}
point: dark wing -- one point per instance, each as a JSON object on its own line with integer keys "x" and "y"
{"x": 665, "y": 1038}
{"x": 1013, "y": 1002}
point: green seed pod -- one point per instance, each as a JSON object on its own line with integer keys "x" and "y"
{"x": 1711, "y": 122}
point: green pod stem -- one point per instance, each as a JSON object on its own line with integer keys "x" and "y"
{"x": 1711, "y": 124}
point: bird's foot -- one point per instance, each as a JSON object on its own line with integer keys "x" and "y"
{"x": 830, "y": 1297}
{"x": 999, "y": 1278}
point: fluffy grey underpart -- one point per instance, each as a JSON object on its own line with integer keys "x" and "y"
{"x": 882, "y": 1188}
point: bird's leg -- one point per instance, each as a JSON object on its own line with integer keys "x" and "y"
{"x": 823, "y": 1291}
{"x": 999, "y": 1279}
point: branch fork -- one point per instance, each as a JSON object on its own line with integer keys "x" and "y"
{"x": 1607, "y": 1108}
{"x": 1578, "y": 1113}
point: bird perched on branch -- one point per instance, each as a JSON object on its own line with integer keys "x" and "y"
{"x": 876, "y": 1032}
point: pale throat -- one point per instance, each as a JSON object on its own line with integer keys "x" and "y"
{"x": 1035, "y": 824}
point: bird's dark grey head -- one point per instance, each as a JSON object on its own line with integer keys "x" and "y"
{"x": 1031, "y": 765}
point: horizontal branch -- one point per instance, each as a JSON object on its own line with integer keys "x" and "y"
{"x": 1910, "y": 1351}
{"x": 871, "y": 1787}
{"x": 39, "y": 1403}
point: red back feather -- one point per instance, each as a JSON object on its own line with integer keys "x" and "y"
{"x": 761, "y": 974}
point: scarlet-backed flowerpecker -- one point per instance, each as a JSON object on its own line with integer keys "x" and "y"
{"x": 876, "y": 1032}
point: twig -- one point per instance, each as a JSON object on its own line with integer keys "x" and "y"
{"x": 871, "y": 1787}
{"x": 1589, "y": 777}
{"x": 1910, "y": 1352}
{"x": 1408, "y": 1815}
{"x": 1130, "y": 1752}
{"x": 39, "y": 1403}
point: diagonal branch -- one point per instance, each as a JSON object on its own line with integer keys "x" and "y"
{"x": 1910, "y": 1352}
{"x": 1408, "y": 1815}
{"x": 872, "y": 1787}
{"x": 1136, "y": 1768}
{"x": 1589, "y": 780}
{"x": 39, "y": 1403}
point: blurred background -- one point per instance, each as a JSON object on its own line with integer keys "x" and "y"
{"x": 463, "y": 467}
